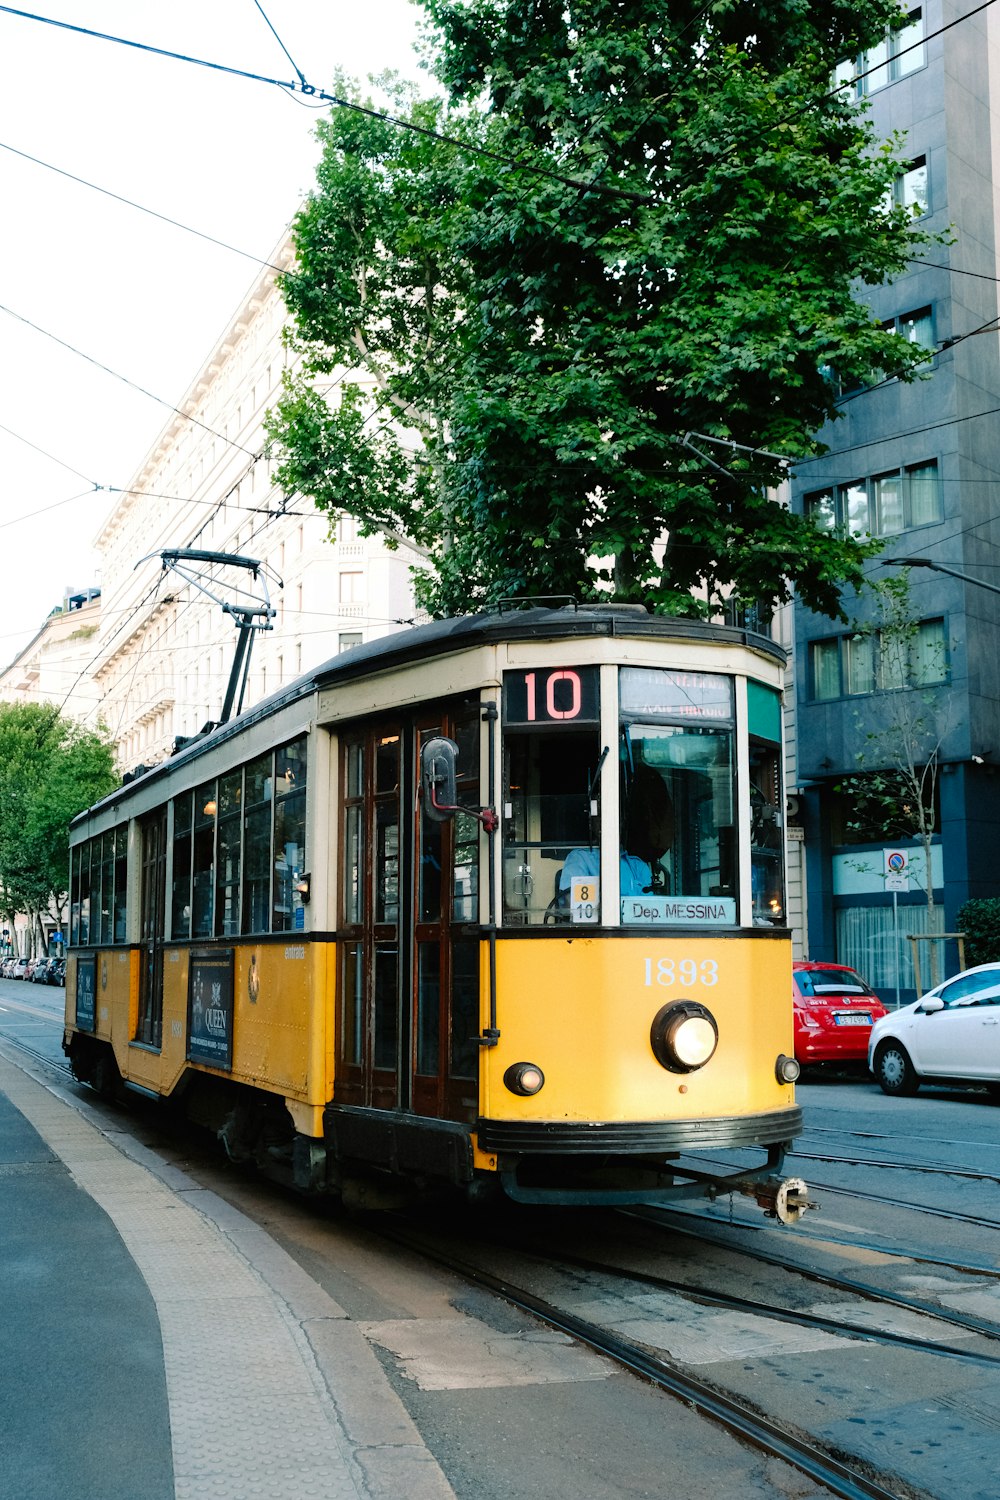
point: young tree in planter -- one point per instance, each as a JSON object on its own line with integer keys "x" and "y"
{"x": 661, "y": 249}
{"x": 893, "y": 794}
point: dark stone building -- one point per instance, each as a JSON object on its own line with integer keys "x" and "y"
{"x": 917, "y": 465}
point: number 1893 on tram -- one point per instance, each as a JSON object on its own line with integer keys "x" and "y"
{"x": 494, "y": 902}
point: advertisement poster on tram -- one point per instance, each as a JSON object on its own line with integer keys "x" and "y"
{"x": 210, "y": 1019}
{"x": 86, "y": 975}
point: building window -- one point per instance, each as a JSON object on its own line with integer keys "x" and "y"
{"x": 916, "y": 327}
{"x": 824, "y": 662}
{"x": 349, "y": 638}
{"x": 884, "y": 505}
{"x": 352, "y": 587}
{"x": 853, "y": 665}
{"x": 909, "y": 190}
{"x": 896, "y": 56}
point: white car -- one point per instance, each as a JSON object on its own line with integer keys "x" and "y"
{"x": 951, "y": 1033}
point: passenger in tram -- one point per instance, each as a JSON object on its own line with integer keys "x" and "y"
{"x": 649, "y": 834}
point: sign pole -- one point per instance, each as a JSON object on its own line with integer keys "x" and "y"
{"x": 896, "y": 874}
{"x": 895, "y": 928}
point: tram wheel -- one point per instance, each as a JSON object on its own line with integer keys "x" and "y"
{"x": 894, "y": 1071}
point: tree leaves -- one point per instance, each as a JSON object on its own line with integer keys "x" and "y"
{"x": 50, "y": 770}
{"x": 537, "y": 352}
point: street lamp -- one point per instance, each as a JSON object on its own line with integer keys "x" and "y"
{"x": 925, "y": 562}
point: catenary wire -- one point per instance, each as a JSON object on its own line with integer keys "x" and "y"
{"x": 322, "y": 96}
{"x": 20, "y": 318}
{"x": 140, "y": 207}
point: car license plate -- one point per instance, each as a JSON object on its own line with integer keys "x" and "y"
{"x": 854, "y": 1018}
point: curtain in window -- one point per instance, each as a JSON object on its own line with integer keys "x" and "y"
{"x": 927, "y": 652}
{"x": 924, "y": 494}
{"x": 826, "y": 669}
{"x": 860, "y": 664}
{"x": 866, "y": 941}
{"x": 888, "y": 495}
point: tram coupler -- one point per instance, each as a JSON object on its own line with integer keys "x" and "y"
{"x": 785, "y": 1199}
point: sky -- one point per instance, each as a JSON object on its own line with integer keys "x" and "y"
{"x": 84, "y": 275}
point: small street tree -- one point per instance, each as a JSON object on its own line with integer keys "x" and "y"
{"x": 643, "y": 233}
{"x": 50, "y": 769}
{"x": 893, "y": 793}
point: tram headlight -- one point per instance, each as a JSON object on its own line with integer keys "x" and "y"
{"x": 524, "y": 1078}
{"x": 786, "y": 1069}
{"x": 683, "y": 1036}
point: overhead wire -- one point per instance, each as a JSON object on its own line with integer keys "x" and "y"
{"x": 20, "y": 318}
{"x": 140, "y": 207}
{"x": 322, "y": 96}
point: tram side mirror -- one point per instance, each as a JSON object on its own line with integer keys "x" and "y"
{"x": 438, "y": 778}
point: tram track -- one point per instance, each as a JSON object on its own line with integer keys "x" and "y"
{"x": 843, "y": 1284}
{"x": 63, "y": 1069}
{"x": 933, "y": 1169}
{"x": 851, "y": 1479}
{"x": 953, "y": 1215}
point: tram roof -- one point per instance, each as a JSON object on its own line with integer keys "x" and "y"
{"x": 444, "y": 637}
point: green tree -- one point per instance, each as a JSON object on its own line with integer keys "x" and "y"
{"x": 50, "y": 769}
{"x": 664, "y": 245}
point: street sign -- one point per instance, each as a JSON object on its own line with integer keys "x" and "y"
{"x": 896, "y": 869}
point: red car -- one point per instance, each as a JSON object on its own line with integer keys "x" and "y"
{"x": 834, "y": 1011}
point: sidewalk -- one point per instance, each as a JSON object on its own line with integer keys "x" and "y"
{"x": 149, "y": 1327}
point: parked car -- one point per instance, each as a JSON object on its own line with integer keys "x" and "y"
{"x": 951, "y": 1034}
{"x": 19, "y": 968}
{"x": 40, "y": 970}
{"x": 833, "y": 1010}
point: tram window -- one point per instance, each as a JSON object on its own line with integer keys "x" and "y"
{"x": 203, "y": 862}
{"x": 74, "y": 896}
{"x": 180, "y": 926}
{"x": 289, "y": 836}
{"x": 119, "y": 931}
{"x": 227, "y": 890}
{"x": 258, "y": 784}
{"x": 677, "y": 804}
{"x": 431, "y": 854}
{"x": 84, "y": 901}
{"x": 386, "y": 1005}
{"x": 107, "y": 885}
{"x": 386, "y": 862}
{"x": 548, "y": 811}
{"x": 766, "y": 836}
{"x": 465, "y": 827}
{"x": 354, "y": 847}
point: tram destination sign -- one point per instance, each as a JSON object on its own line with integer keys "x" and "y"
{"x": 210, "y": 1007}
{"x": 671, "y": 909}
{"x": 551, "y": 695}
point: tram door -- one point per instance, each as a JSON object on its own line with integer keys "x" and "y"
{"x": 409, "y": 946}
{"x": 152, "y": 915}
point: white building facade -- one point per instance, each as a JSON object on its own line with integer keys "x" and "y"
{"x": 166, "y": 647}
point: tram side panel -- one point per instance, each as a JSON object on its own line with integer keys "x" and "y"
{"x": 274, "y": 1030}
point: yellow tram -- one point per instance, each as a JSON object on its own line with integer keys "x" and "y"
{"x": 496, "y": 900}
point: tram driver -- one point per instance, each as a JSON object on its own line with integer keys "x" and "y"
{"x": 648, "y": 835}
